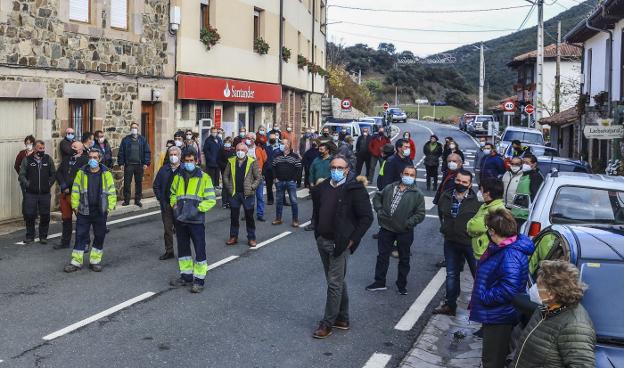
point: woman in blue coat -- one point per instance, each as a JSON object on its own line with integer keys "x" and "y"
{"x": 502, "y": 273}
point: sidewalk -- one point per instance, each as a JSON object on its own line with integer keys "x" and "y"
{"x": 448, "y": 341}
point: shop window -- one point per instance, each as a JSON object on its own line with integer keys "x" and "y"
{"x": 80, "y": 10}
{"x": 81, "y": 116}
{"x": 204, "y": 110}
{"x": 205, "y": 14}
{"x": 119, "y": 14}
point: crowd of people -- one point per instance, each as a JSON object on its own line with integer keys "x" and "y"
{"x": 480, "y": 228}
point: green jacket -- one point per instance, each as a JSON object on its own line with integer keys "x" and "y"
{"x": 541, "y": 252}
{"x": 192, "y": 195}
{"x": 561, "y": 338}
{"x": 409, "y": 213}
{"x": 319, "y": 169}
{"x": 478, "y": 231}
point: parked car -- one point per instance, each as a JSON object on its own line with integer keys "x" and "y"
{"x": 371, "y": 122}
{"x": 548, "y": 164}
{"x": 573, "y": 198}
{"x": 540, "y": 151}
{"x": 598, "y": 251}
{"x": 524, "y": 135}
{"x": 483, "y": 125}
{"x": 439, "y": 103}
{"x": 398, "y": 115}
{"x": 352, "y": 127}
{"x": 465, "y": 119}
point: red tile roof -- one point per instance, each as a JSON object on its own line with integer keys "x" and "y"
{"x": 568, "y": 50}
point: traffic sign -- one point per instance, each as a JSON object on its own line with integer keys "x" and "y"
{"x": 386, "y": 106}
{"x": 509, "y": 106}
{"x": 345, "y": 104}
{"x": 529, "y": 109}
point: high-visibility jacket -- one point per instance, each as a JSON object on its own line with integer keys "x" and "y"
{"x": 524, "y": 187}
{"x": 80, "y": 195}
{"x": 192, "y": 195}
{"x": 233, "y": 165}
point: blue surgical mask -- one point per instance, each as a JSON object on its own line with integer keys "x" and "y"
{"x": 406, "y": 152}
{"x": 93, "y": 163}
{"x": 242, "y": 134}
{"x": 70, "y": 136}
{"x": 337, "y": 175}
{"x": 227, "y": 145}
{"x": 282, "y": 147}
{"x": 407, "y": 180}
{"x": 189, "y": 166}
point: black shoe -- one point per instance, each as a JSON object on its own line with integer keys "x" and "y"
{"x": 269, "y": 203}
{"x": 402, "y": 291}
{"x": 125, "y": 203}
{"x": 375, "y": 286}
{"x": 261, "y": 219}
{"x": 287, "y": 204}
{"x": 445, "y": 309}
{"x": 139, "y": 204}
{"x": 179, "y": 282}
{"x": 43, "y": 240}
{"x": 61, "y": 246}
{"x": 441, "y": 264}
{"x": 309, "y": 228}
{"x": 167, "y": 255}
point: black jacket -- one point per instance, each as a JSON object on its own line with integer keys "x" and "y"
{"x": 107, "y": 153}
{"x": 536, "y": 181}
{"x": 67, "y": 171}
{"x": 124, "y": 149}
{"x": 361, "y": 146}
{"x": 37, "y": 177}
{"x": 393, "y": 170}
{"x": 286, "y": 167}
{"x": 353, "y": 216}
{"x": 162, "y": 184}
{"x": 454, "y": 229}
{"x": 65, "y": 147}
{"x": 432, "y": 153}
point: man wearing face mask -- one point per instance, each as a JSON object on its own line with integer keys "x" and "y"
{"x": 454, "y": 164}
{"x": 225, "y": 153}
{"x": 308, "y": 158}
{"x": 511, "y": 179}
{"x": 451, "y": 147}
{"x": 432, "y": 151}
{"x": 192, "y": 195}
{"x": 241, "y": 179}
{"x": 277, "y": 131}
{"x": 65, "y": 145}
{"x": 133, "y": 158}
{"x": 375, "y": 146}
{"x": 325, "y": 135}
{"x": 400, "y": 206}
{"x": 363, "y": 155}
{"x": 286, "y": 169}
{"x": 455, "y": 208}
{"x": 102, "y": 144}
{"x": 178, "y": 138}
{"x": 212, "y": 146}
{"x": 491, "y": 195}
{"x": 492, "y": 165}
{"x": 393, "y": 168}
{"x": 93, "y": 197}
{"x": 408, "y": 137}
{"x": 271, "y": 149}
{"x": 529, "y": 184}
{"x": 305, "y": 142}
{"x": 341, "y": 216}
{"x": 65, "y": 176}
{"x": 37, "y": 175}
{"x": 259, "y": 154}
{"x": 162, "y": 191}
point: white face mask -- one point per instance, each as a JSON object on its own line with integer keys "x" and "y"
{"x": 453, "y": 165}
{"x": 289, "y": 129}
{"x": 178, "y": 143}
{"x": 480, "y": 197}
{"x": 29, "y": 147}
{"x": 101, "y": 140}
{"x": 134, "y": 131}
{"x": 534, "y": 295}
{"x": 241, "y": 154}
{"x": 481, "y": 144}
{"x": 452, "y": 146}
{"x": 174, "y": 159}
{"x": 515, "y": 169}
{"x": 526, "y": 167}
{"x": 487, "y": 152}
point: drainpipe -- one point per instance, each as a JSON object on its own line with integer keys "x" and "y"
{"x": 281, "y": 66}
{"x": 313, "y": 61}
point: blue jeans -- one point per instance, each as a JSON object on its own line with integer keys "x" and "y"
{"x": 237, "y": 201}
{"x": 281, "y": 188}
{"x": 260, "y": 200}
{"x": 455, "y": 254}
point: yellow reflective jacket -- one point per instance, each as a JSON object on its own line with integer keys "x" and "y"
{"x": 80, "y": 196}
{"x": 192, "y": 195}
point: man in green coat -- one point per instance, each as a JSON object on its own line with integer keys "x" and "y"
{"x": 491, "y": 193}
{"x": 400, "y": 206}
{"x": 320, "y": 166}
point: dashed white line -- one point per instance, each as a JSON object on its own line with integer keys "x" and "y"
{"x": 378, "y": 360}
{"x": 432, "y": 216}
{"x": 305, "y": 224}
{"x": 268, "y": 241}
{"x": 98, "y": 316}
{"x": 221, "y": 262}
{"x": 412, "y": 315}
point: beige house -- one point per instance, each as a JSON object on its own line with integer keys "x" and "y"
{"x": 89, "y": 64}
{"x": 244, "y": 78}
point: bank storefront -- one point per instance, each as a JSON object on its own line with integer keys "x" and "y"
{"x": 229, "y": 103}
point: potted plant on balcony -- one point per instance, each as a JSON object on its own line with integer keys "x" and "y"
{"x": 260, "y": 46}
{"x": 209, "y": 37}
{"x": 301, "y": 61}
{"x": 285, "y": 54}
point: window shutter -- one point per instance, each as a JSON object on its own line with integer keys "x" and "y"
{"x": 119, "y": 14}
{"x": 79, "y": 10}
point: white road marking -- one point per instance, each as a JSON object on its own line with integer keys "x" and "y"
{"x": 412, "y": 315}
{"x": 473, "y": 139}
{"x": 429, "y": 203}
{"x": 221, "y": 262}
{"x": 432, "y": 216}
{"x": 422, "y": 126}
{"x": 268, "y": 241}
{"x": 98, "y": 316}
{"x": 305, "y": 224}
{"x": 378, "y": 360}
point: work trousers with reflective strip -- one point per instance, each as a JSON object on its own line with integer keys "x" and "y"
{"x": 83, "y": 226}
{"x": 189, "y": 270}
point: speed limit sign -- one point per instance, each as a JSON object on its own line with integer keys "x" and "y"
{"x": 509, "y": 106}
{"x": 345, "y": 104}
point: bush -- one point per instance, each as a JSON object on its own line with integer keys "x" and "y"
{"x": 285, "y": 53}
{"x": 260, "y": 46}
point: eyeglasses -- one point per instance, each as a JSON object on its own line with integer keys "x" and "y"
{"x": 338, "y": 168}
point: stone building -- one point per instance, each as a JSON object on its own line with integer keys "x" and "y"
{"x": 92, "y": 65}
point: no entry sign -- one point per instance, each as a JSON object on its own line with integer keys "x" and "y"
{"x": 386, "y": 106}
{"x": 529, "y": 109}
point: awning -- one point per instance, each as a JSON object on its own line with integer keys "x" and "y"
{"x": 191, "y": 87}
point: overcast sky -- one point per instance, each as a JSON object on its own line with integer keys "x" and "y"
{"x": 423, "y": 43}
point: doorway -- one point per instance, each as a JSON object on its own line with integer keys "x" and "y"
{"x": 147, "y": 129}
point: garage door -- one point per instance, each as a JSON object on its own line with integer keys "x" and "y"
{"x": 17, "y": 120}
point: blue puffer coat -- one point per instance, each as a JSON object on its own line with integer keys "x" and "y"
{"x": 499, "y": 278}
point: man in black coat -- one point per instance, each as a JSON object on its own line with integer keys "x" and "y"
{"x": 65, "y": 177}
{"x": 393, "y": 168}
{"x": 455, "y": 208}
{"x": 342, "y": 214}
{"x": 363, "y": 155}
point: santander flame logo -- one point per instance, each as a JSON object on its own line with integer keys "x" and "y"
{"x": 226, "y": 91}
{"x": 247, "y": 94}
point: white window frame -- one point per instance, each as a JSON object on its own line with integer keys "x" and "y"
{"x": 119, "y": 14}
{"x": 80, "y": 11}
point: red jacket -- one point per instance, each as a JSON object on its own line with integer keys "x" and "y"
{"x": 412, "y": 149}
{"x": 376, "y": 144}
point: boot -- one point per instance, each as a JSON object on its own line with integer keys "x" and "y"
{"x": 65, "y": 235}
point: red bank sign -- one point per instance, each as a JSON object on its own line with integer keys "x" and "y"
{"x": 207, "y": 88}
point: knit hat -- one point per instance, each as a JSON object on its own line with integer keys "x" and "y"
{"x": 435, "y": 136}
{"x": 388, "y": 149}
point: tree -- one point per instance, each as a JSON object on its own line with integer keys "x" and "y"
{"x": 341, "y": 85}
{"x": 457, "y": 99}
{"x": 387, "y": 48}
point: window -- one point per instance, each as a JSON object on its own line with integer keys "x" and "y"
{"x": 587, "y": 205}
{"x": 589, "y": 71}
{"x": 205, "y": 14}
{"x": 256, "y": 24}
{"x": 204, "y": 110}
{"x": 81, "y": 116}
{"x": 80, "y": 10}
{"x": 119, "y": 14}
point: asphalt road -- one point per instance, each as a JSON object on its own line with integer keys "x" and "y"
{"x": 258, "y": 310}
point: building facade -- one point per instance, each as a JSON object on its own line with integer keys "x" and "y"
{"x": 87, "y": 64}
{"x": 244, "y": 63}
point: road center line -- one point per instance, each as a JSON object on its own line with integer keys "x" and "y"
{"x": 378, "y": 360}
{"x": 412, "y": 315}
{"x": 221, "y": 262}
{"x": 305, "y": 224}
{"x": 98, "y": 316}
{"x": 268, "y": 241}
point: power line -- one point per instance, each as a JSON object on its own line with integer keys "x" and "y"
{"x": 527, "y": 17}
{"x": 428, "y": 30}
{"x": 401, "y": 41}
{"x": 428, "y": 11}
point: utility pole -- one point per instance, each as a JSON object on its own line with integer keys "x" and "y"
{"x": 396, "y": 96}
{"x": 539, "y": 95}
{"x": 360, "y": 77}
{"x": 558, "y": 71}
{"x": 481, "y": 80}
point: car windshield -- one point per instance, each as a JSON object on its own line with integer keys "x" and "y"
{"x": 370, "y": 126}
{"x": 578, "y": 205}
{"x": 605, "y": 282}
{"x": 395, "y": 111}
{"x": 526, "y": 137}
{"x": 481, "y": 119}
{"x": 339, "y": 128}
{"x": 537, "y": 151}
{"x": 546, "y": 166}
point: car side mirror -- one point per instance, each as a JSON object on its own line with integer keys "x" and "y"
{"x": 521, "y": 201}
